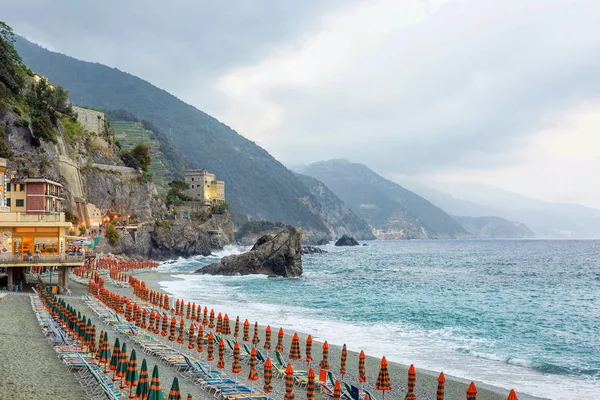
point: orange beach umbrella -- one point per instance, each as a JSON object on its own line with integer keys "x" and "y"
{"x": 236, "y": 367}
{"x": 192, "y": 336}
{"x": 226, "y": 329}
{"x": 325, "y": 361}
{"x": 279, "y": 346}
{"x": 219, "y": 323}
{"x": 236, "y": 332}
{"x": 255, "y": 338}
{"x": 472, "y": 392}
{"x": 211, "y": 320}
{"x": 173, "y": 330}
{"x": 337, "y": 390}
{"x": 267, "y": 345}
{"x": 246, "y": 336}
{"x": 295, "y": 348}
{"x": 310, "y": 386}
{"x": 308, "y": 358}
{"x": 268, "y": 376}
{"x": 343, "y": 361}
{"x": 362, "y": 375}
{"x": 289, "y": 383}
{"x": 440, "y": 390}
{"x": 200, "y": 339}
{"x": 253, "y": 375}
{"x": 383, "y": 379}
{"x": 221, "y": 362}
{"x": 512, "y": 395}
{"x": 412, "y": 380}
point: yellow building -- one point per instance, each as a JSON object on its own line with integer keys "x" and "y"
{"x": 204, "y": 187}
{"x": 33, "y": 231}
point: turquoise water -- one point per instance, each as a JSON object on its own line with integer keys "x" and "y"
{"x": 522, "y": 314}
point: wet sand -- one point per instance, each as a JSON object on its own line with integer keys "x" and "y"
{"x": 426, "y": 386}
{"x": 29, "y": 368}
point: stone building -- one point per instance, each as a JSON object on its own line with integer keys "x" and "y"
{"x": 91, "y": 120}
{"x": 204, "y": 187}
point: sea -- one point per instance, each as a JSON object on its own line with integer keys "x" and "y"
{"x": 522, "y": 314}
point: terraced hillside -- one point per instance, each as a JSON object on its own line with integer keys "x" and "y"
{"x": 131, "y": 133}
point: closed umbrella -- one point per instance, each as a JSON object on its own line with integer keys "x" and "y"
{"x": 308, "y": 358}
{"x": 200, "y": 339}
{"x": 151, "y": 321}
{"x": 440, "y": 390}
{"x": 343, "y": 361}
{"x": 219, "y": 324}
{"x": 268, "y": 376}
{"x": 512, "y": 395}
{"x": 472, "y": 392}
{"x": 122, "y": 368}
{"x": 155, "y": 392}
{"x": 193, "y": 312}
{"x": 362, "y": 375}
{"x": 236, "y": 332}
{"x": 175, "y": 393}
{"x": 114, "y": 359}
{"x": 189, "y": 397}
{"x": 236, "y": 367}
{"x": 253, "y": 375}
{"x": 226, "y": 330}
{"x": 289, "y": 383}
{"x": 267, "y": 345}
{"x": 211, "y": 320}
{"x": 165, "y": 324}
{"x": 310, "y": 387}
{"x": 383, "y": 379}
{"x": 192, "y": 336}
{"x": 295, "y": 348}
{"x": 188, "y": 312}
{"x": 132, "y": 374}
{"x": 246, "y": 336}
{"x": 105, "y": 356}
{"x": 325, "y": 361}
{"x": 255, "y": 338}
{"x": 143, "y": 386}
{"x": 173, "y": 330}
{"x": 210, "y": 349}
{"x": 221, "y": 362}
{"x": 412, "y": 380}
{"x": 181, "y": 336}
{"x": 279, "y": 346}
{"x": 205, "y": 319}
{"x": 337, "y": 390}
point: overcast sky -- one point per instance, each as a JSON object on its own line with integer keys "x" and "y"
{"x": 502, "y": 92}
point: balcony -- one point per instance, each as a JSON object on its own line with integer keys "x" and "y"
{"x": 4, "y": 209}
{"x": 23, "y": 260}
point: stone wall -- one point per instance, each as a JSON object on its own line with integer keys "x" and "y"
{"x": 91, "y": 120}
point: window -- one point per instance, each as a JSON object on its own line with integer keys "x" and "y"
{"x": 192, "y": 186}
{"x": 8, "y": 202}
{"x": 8, "y": 187}
{"x": 19, "y": 202}
{"x": 185, "y": 215}
{"x": 192, "y": 179}
{"x": 22, "y": 188}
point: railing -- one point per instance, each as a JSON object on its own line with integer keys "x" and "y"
{"x": 36, "y": 258}
{"x": 4, "y": 209}
{"x": 22, "y": 217}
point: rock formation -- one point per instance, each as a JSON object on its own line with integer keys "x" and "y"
{"x": 278, "y": 255}
{"x": 346, "y": 241}
{"x": 312, "y": 250}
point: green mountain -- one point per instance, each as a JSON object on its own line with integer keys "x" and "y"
{"x": 387, "y": 206}
{"x": 494, "y": 228}
{"x": 255, "y": 183}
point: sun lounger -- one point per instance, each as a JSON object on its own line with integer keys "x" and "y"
{"x": 370, "y": 395}
{"x": 280, "y": 365}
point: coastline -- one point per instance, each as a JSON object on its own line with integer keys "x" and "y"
{"x": 426, "y": 386}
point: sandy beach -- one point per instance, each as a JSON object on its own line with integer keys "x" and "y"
{"x": 426, "y": 380}
{"x": 29, "y": 368}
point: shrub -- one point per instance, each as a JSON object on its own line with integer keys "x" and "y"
{"x": 82, "y": 230}
{"x": 5, "y": 151}
{"x": 21, "y": 123}
{"x": 112, "y": 235}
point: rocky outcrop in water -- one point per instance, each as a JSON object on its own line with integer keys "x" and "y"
{"x": 278, "y": 255}
{"x": 312, "y": 250}
{"x": 346, "y": 241}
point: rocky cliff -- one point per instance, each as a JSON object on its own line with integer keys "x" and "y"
{"x": 278, "y": 255}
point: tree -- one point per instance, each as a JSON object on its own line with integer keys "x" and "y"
{"x": 12, "y": 70}
{"x": 112, "y": 235}
{"x": 141, "y": 156}
{"x": 176, "y": 192}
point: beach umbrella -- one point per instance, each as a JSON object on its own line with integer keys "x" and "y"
{"x": 105, "y": 356}
{"x": 362, "y": 375}
{"x": 165, "y": 324}
{"x": 189, "y": 397}
{"x": 295, "y": 348}
{"x": 512, "y": 395}
{"x": 205, "y": 319}
{"x": 236, "y": 331}
{"x": 219, "y": 329}
{"x": 122, "y": 368}
{"x": 337, "y": 390}
{"x": 412, "y": 380}
{"x": 180, "y": 338}
{"x": 173, "y": 330}
{"x": 267, "y": 345}
{"x": 100, "y": 347}
{"x": 157, "y": 321}
{"x": 151, "y": 321}
{"x": 246, "y": 336}
{"x": 144, "y": 318}
{"x": 325, "y": 361}
{"x": 193, "y": 311}
{"x": 211, "y": 348}
{"x": 192, "y": 336}
{"x": 279, "y": 346}
{"x": 268, "y": 376}
{"x": 255, "y": 338}
{"x": 221, "y": 362}
{"x": 175, "y": 393}
{"x": 308, "y": 358}
{"x": 211, "y": 320}
{"x": 253, "y": 375}
{"x": 383, "y": 379}
{"x": 200, "y": 339}
{"x": 92, "y": 344}
{"x": 155, "y": 392}
{"x": 143, "y": 386}
{"x": 310, "y": 387}
{"x": 188, "y": 311}
{"x": 472, "y": 392}
{"x": 132, "y": 374}
{"x": 343, "y": 361}
{"x": 440, "y": 390}
{"x": 236, "y": 367}
{"x": 289, "y": 383}
{"x": 226, "y": 329}
{"x": 114, "y": 359}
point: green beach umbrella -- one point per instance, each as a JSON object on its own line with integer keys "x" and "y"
{"x": 122, "y": 367}
{"x": 155, "y": 392}
{"x": 105, "y": 353}
{"x": 132, "y": 375}
{"x": 143, "y": 386}
{"x": 175, "y": 393}
{"x": 114, "y": 359}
